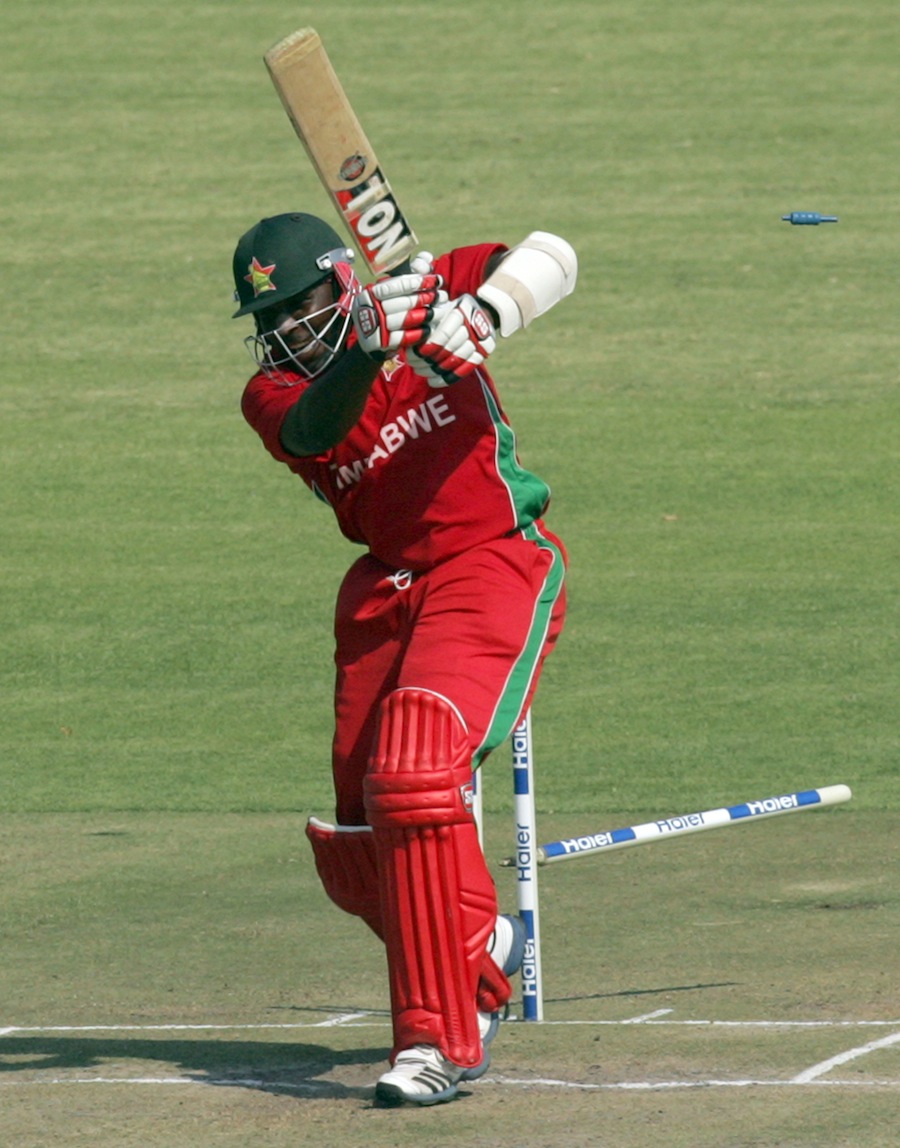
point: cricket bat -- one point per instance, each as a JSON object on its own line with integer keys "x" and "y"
{"x": 335, "y": 142}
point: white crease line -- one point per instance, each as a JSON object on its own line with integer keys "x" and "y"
{"x": 355, "y": 1020}
{"x": 343, "y": 1018}
{"x": 110, "y": 1080}
{"x": 648, "y": 1016}
{"x": 737, "y": 1023}
{"x": 336, "y": 1021}
{"x": 200, "y": 1081}
{"x": 818, "y": 1070}
{"x": 672, "y": 1085}
{"x": 503, "y": 1081}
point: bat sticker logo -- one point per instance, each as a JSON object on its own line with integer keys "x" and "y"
{"x": 372, "y": 214}
{"x": 353, "y": 167}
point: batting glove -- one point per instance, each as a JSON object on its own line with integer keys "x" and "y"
{"x": 459, "y": 339}
{"x": 394, "y": 313}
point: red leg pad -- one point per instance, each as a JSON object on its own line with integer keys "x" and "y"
{"x": 345, "y": 861}
{"x": 438, "y": 902}
{"x": 346, "y": 864}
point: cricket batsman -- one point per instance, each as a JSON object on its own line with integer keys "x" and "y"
{"x": 379, "y": 398}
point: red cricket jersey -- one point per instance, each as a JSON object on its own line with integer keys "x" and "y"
{"x": 427, "y": 472}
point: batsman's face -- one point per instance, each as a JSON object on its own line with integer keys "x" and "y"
{"x": 300, "y": 324}
{"x": 306, "y": 333}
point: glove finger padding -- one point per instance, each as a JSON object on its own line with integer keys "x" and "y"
{"x": 422, "y": 263}
{"x": 399, "y": 315}
{"x": 394, "y": 313}
{"x": 425, "y": 369}
{"x": 422, "y": 366}
{"x": 459, "y": 340}
{"x": 398, "y": 285}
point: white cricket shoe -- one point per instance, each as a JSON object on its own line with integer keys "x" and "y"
{"x": 420, "y": 1075}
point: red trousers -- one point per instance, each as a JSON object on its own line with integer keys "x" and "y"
{"x": 475, "y": 629}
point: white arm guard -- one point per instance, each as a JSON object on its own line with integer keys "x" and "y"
{"x": 532, "y": 278}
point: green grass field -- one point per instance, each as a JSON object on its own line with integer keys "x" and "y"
{"x": 716, "y": 411}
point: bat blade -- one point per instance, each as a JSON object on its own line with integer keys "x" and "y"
{"x": 339, "y": 150}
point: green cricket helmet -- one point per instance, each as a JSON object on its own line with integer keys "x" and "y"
{"x": 276, "y": 263}
{"x": 283, "y": 256}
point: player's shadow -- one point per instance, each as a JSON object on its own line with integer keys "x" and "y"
{"x": 662, "y": 990}
{"x": 282, "y": 1067}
